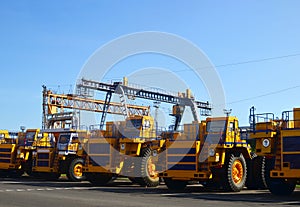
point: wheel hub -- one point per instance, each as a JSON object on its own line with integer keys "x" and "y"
{"x": 151, "y": 169}
{"x": 78, "y": 170}
{"x": 237, "y": 171}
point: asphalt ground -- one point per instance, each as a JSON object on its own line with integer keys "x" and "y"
{"x": 121, "y": 192}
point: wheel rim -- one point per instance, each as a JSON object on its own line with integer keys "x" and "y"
{"x": 151, "y": 168}
{"x": 78, "y": 170}
{"x": 237, "y": 171}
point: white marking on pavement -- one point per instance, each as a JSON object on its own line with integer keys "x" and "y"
{"x": 40, "y": 189}
{"x": 29, "y": 189}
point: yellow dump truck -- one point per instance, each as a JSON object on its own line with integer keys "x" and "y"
{"x": 139, "y": 148}
{"x": 277, "y": 146}
{"x": 8, "y": 153}
{"x": 127, "y": 149}
{"x": 16, "y": 151}
{"x": 211, "y": 152}
{"x": 132, "y": 149}
{"x": 60, "y": 153}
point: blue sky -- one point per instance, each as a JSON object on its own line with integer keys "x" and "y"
{"x": 49, "y": 42}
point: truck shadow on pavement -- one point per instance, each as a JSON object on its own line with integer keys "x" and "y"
{"x": 192, "y": 191}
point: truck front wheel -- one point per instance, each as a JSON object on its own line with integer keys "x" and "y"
{"x": 145, "y": 169}
{"x": 75, "y": 171}
{"x": 235, "y": 173}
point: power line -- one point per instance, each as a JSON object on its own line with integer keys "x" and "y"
{"x": 263, "y": 95}
{"x": 258, "y": 60}
{"x": 227, "y": 64}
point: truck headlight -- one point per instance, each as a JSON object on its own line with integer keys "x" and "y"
{"x": 211, "y": 152}
{"x": 154, "y": 153}
{"x": 122, "y": 146}
{"x": 266, "y": 142}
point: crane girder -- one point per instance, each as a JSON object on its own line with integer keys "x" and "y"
{"x": 72, "y": 101}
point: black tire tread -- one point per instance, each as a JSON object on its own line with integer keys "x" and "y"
{"x": 228, "y": 183}
{"x": 141, "y": 173}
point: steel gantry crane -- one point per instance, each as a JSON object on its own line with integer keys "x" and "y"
{"x": 179, "y": 100}
{"x": 133, "y": 149}
{"x": 54, "y": 105}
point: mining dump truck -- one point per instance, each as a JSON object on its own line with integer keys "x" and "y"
{"x": 16, "y": 151}
{"x": 211, "y": 152}
{"x": 130, "y": 148}
{"x": 60, "y": 154}
{"x": 278, "y": 149}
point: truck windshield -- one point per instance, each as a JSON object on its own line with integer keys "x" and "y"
{"x": 30, "y": 136}
{"x": 216, "y": 126}
{"x": 64, "y": 138}
{"x": 136, "y": 123}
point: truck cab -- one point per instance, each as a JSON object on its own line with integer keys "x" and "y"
{"x": 139, "y": 148}
{"x": 68, "y": 143}
{"x": 61, "y": 155}
{"x": 139, "y": 127}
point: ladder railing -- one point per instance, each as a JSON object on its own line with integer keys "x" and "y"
{"x": 105, "y": 109}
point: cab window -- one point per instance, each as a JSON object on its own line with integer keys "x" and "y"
{"x": 231, "y": 127}
{"x": 146, "y": 124}
{"x": 30, "y": 136}
{"x": 64, "y": 139}
{"x": 136, "y": 123}
{"x": 216, "y": 126}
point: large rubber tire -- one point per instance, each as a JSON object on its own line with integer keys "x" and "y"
{"x": 145, "y": 173}
{"x": 281, "y": 187}
{"x": 175, "y": 185}
{"x": 235, "y": 173}
{"x": 256, "y": 177}
{"x": 75, "y": 170}
{"x": 98, "y": 179}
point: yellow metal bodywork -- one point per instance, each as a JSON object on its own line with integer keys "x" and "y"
{"x": 47, "y": 158}
{"x": 193, "y": 159}
{"x": 102, "y": 155}
{"x": 287, "y": 164}
{"x": 8, "y": 153}
{"x": 118, "y": 143}
{"x": 4, "y": 136}
{"x": 16, "y": 151}
{"x": 283, "y": 137}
